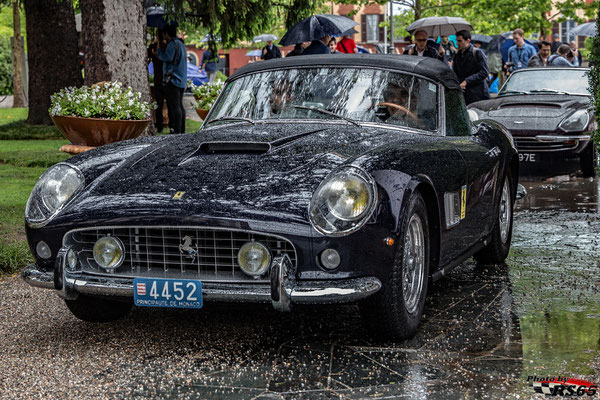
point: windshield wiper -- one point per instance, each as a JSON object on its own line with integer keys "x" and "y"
{"x": 513, "y": 92}
{"x": 549, "y": 91}
{"x": 324, "y": 111}
{"x": 231, "y": 119}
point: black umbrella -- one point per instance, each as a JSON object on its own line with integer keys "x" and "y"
{"x": 478, "y": 37}
{"x": 156, "y": 18}
{"x": 316, "y": 27}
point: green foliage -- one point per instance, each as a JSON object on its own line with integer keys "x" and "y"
{"x": 6, "y": 69}
{"x": 207, "y": 94}
{"x": 109, "y": 100}
{"x": 594, "y": 78}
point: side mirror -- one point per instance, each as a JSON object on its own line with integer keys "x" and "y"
{"x": 521, "y": 192}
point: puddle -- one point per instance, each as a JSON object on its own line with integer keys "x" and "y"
{"x": 560, "y": 193}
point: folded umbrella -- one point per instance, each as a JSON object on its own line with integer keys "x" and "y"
{"x": 587, "y": 29}
{"x": 439, "y": 26}
{"x": 264, "y": 38}
{"x": 316, "y": 27}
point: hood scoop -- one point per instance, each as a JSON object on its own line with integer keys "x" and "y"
{"x": 232, "y": 148}
{"x": 212, "y": 148}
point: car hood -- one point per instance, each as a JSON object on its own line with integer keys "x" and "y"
{"x": 245, "y": 171}
{"x": 537, "y": 113}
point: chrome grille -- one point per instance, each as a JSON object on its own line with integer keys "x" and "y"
{"x": 531, "y": 144}
{"x": 164, "y": 252}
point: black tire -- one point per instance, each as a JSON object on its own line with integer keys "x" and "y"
{"x": 386, "y": 313}
{"x": 497, "y": 250}
{"x": 93, "y": 309}
{"x": 587, "y": 161}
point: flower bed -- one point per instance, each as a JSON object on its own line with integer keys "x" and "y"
{"x": 207, "y": 94}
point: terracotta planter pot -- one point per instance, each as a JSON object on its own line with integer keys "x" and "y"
{"x": 202, "y": 113}
{"x": 97, "y": 131}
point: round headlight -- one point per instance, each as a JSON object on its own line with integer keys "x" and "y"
{"x": 330, "y": 258}
{"x": 109, "y": 252}
{"x": 52, "y": 191}
{"x": 343, "y": 202}
{"x": 254, "y": 258}
{"x": 347, "y": 196}
{"x": 71, "y": 259}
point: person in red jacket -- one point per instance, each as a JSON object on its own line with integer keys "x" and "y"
{"x": 347, "y": 45}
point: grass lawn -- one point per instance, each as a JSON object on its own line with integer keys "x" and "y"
{"x": 26, "y": 151}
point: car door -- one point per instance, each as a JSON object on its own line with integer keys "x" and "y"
{"x": 482, "y": 160}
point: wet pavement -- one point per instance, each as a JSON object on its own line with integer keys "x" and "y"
{"x": 485, "y": 330}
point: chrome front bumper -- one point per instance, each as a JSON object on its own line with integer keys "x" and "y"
{"x": 283, "y": 290}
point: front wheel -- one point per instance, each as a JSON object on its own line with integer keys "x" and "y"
{"x": 395, "y": 311}
{"x": 93, "y": 309}
{"x": 497, "y": 250}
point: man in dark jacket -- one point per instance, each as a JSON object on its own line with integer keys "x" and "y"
{"x": 270, "y": 51}
{"x": 420, "y": 48}
{"x": 541, "y": 58}
{"x": 470, "y": 66}
{"x": 318, "y": 47}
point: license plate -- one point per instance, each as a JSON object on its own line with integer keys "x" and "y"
{"x": 177, "y": 293}
{"x": 527, "y": 157}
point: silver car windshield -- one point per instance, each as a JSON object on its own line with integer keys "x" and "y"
{"x": 551, "y": 80}
{"x": 351, "y": 94}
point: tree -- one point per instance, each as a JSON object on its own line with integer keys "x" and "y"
{"x": 52, "y": 48}
{"x": 17, "y": 49}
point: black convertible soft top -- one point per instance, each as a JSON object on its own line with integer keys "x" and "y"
{"x": 424, "y": 66}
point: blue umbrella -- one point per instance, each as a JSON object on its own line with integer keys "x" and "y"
{"x": 197, "y": 76}
{"x": 316, "y": 27}
{"x": 362, "y": 50}
{"x": 508, "y": 43}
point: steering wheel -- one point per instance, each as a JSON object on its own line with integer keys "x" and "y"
{"x": 410, "y": 114}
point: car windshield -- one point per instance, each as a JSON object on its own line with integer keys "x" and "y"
{"x": 354, "y": 95}
{"x": 551, "y": 80}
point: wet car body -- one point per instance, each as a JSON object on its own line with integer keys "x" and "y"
{"x": 534, "y": 118}
{"x": 183, "y": 206}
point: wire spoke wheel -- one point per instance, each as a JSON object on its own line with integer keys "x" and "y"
{"x": 414, "y": 263}
{"x": 504, "y": 216}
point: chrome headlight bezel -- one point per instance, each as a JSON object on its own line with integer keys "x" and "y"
{"x": 45, "y": 200}
{"x": 332, "y": 223}
{"x": 576, "y": 122}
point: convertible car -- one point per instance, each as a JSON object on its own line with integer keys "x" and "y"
{"x": 320, "y": 179}
{"x": 549, "y": 113}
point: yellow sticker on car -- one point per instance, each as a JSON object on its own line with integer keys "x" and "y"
{"x": 178, "y": 195}
{"x": 463, "y": 202}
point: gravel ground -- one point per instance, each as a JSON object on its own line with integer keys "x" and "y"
{"x": 470, "y": 344}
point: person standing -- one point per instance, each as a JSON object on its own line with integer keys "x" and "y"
{"x": 159, "y": 90}
{"x": 560, "y": 59}
{"x": 298, "y": 49}
{"x": 541, "y": 58}
{"x": 318, "y": 47}
{"x": 347, "y": 45}
{"x": 420, "y": 48}
{"x": 449, "y": 49}
{"x": 174, "y": 77}
{"x": 520, "y": 53}
{"x": 470, "y": 66}
{"x": 578, "y": 58}
{"x": 555, "y": 43}
{"x": 332, "y": 46}
{"x": 209, "y": 64}
{"x": 270, "y": 51}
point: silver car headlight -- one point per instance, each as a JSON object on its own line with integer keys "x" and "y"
{"x": 473, "y": 114}
{"x": 52, "y": 191}
{"x": 575, "y": 122}
{"x": 343, "y": 202}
